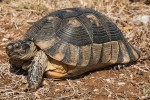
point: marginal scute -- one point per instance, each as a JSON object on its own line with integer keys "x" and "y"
{"x": 114, "y": 52}
{"x": 96, "y": 52}
{"x": 85, "y": 55}
{"x": 125, "y": 55}
{"x": 135, "y": 52}
{"x": 73, "y": 55}
{"x": 106, "y": 53}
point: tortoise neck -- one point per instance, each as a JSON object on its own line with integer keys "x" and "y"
{"x": 31, "y": 53}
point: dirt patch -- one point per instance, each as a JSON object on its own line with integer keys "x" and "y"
{"x": 131, "y": 82}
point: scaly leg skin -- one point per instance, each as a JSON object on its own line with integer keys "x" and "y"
{"x": 36, "y": 70}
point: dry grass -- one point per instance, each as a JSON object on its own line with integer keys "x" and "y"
{"x": 129, "y": 83}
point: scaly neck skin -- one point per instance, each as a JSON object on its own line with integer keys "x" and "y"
{"x": 31, "y": 52}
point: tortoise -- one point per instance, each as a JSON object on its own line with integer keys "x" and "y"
{"x": 67, "y": 43}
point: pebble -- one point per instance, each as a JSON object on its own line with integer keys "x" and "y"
{"x": 96, "y": 90}
{"x": 4, "y": 39}
{"x": 121, "y": 83}
{"x": 2, "y": 30}
{"x": 31, "y": 22}
{"x": 144, "y": 19}
{"x": 45, "y": 83}
{"x": 7, "y": 36}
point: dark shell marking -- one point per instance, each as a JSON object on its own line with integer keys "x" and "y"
{"x": 81, "y": 37}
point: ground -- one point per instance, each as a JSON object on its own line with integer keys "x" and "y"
{"x": 129, "y": 83}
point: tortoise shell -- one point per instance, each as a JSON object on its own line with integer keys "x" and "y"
{"x": 81, "y": 37}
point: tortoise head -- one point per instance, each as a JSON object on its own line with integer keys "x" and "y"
{"x": 21, "y": 49}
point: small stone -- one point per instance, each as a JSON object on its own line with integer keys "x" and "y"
{"x": 96, "y": 90}
{"x": 121, "y": 83}
{"x": 145, "y": 19}
{"x": 4, "y": 39}
{"x": 31, "y": 22}
{"x": 7, "y": 36}
{"x": 45, "y": 83}
{"x": 2, "y": 30}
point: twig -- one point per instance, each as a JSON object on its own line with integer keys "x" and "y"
{"x": 70, "y": 94}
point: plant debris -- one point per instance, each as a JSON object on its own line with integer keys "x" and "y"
{"x": 133, "y": 82}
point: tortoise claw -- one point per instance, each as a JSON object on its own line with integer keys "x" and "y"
{"x": 119, "y": 66}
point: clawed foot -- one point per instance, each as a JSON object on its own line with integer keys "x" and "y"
{"x": 119, "y": 66}
{"x": 32, "y": 88}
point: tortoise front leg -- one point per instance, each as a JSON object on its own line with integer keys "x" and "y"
{"x": 36, "y": 70}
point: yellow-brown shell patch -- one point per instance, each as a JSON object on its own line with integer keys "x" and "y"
{"x": 74, "y": 23}
{"x": 93, "y": 19}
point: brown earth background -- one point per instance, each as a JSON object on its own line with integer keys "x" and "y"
{"x": 129, "y": 83}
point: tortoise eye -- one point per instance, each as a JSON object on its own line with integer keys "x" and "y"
{"x": 16, "y": 46}
{"x": 25, "y": 46}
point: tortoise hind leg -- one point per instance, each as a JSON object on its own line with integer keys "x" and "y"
{"x": 36, "y": 70}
